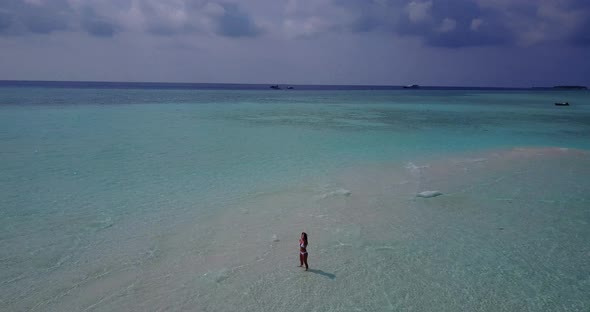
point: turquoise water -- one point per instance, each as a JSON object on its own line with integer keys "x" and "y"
{"x": 148, "y": 200}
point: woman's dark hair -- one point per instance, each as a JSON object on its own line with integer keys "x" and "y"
{"x": 304, "y": 237}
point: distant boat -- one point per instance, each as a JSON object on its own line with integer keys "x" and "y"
{"x": 414, "y": 86}
{"x": 290, "y": 88}
{"x": 562, "y": 103}
{"x": 275, "y": 87}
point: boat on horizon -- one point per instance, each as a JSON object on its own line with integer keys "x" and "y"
{"x": 277, "y": 87}
{"x": 414, "y": 86}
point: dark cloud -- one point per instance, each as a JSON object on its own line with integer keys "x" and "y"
{"x": 156, "y": 17}
{"x": 43, "y": 23}
{"x": 43, "y": 18}
{"x": 365, "y": 24}
{"x": 160, "y": 28}
{"x": 161, "y": 24}
{"x": 439, "y": 23}
{"x": 455, "y": 24}
{"x": 235, "y": 23}
{"x": 580, "y": 4}
{"x": 520, "y": 42}
{"x": 96, "y": 25}
{"x": 464, "y": 37}
{"x": 581, "y": 35}
{"x": 46, "y": 17}
{"x": 99, "y": 28}
{"x": 464, "y": 23}
{"x": 442, "y": 23}
{"x": 5, "y": 21}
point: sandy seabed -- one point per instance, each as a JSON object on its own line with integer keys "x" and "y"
{"x": 510, "y": 232}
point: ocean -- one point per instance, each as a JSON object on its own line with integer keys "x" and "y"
{"x": 192, "y": 197}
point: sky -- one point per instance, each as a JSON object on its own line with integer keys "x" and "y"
{"x": 501, "y": 43}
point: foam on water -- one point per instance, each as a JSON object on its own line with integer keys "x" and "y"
{"x": 429, "y": 194}
{"x": 337, "y": 192}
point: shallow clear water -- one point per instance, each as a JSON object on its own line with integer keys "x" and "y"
{"x": 138, "y": 200}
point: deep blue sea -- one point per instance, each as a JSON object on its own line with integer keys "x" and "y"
{"x": 174, "y": 197}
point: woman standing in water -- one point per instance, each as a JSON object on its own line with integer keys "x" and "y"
{"x": 303, "y": 250}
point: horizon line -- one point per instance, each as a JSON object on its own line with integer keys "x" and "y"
{"x": 271, "y": 84}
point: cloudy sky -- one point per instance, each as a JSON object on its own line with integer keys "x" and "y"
{"x": 519, "y": 43}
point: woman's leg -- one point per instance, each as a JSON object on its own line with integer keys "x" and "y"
{"x": 300, "y": 259}
{"x": 305, "y": 261}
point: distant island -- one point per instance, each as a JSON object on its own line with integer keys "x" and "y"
{"x": 571, "y": 87}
